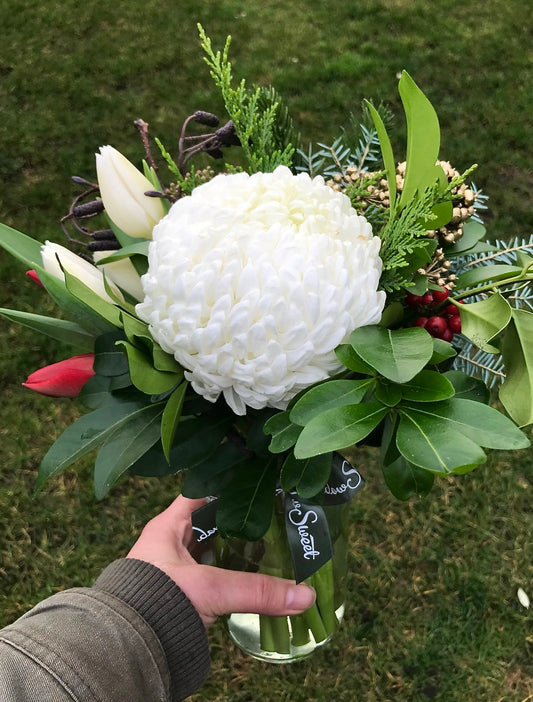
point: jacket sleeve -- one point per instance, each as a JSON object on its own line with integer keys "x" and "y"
{"x": 133, "y": 636}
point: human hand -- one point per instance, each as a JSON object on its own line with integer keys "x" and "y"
{"x": 164, "y": 542}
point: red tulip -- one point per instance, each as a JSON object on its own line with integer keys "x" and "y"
{"x": 63, "y": 379}
{"x": 33, "y": 275}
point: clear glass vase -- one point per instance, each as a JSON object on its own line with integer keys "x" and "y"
{"x": 287, "y": 639}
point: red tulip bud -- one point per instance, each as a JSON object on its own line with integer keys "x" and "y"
{"x": 33, "y": 275}
{"x": 63, "y": 379}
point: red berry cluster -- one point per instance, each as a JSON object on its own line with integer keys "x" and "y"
{"x": 442, "y": 325}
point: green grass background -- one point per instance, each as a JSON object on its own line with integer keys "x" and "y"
{"x": 432, "y": 612}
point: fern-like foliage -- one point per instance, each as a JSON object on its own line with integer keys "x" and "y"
{"x": 488, "y": 367}
{"x": 256, "y": 119}
{"x": 358, "y": 146}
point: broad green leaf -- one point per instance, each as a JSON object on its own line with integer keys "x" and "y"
{"x": 210, "y": 476}
{"x": 21, "y": 246}
{"x": 308, "y": 477}
{"x": 95, "y": 391}
{"x": 246, "y": 504}
{"x": 135, "y": 330}
{"x": 406, "y": 480}
{"x": 467, "y": 387}
{"x": 164, "y": 361}
{"x": 482, "y": 321}
{"x": 85, "y": 434}
{"x": 486, "y": 425}
{"x": 484, "y": 274}
{"x": 472, "y": 232}
{"x": 386, "y": 151}
{"x": 109, "y": 360}
{"x": 196, "y": 439}
{"x": 144, "y": 376}
{"x": 60, "y": 329}
{"x": 388, "y": 393}
{"x": 140, "y": 248}
{"x": 76, "y": 309}
{"x": 104, "y": 309}
{"x": 152, "y": 464}
{"x": 334, "y": 393}
{"x": 397, "y": 354}
{"x": 347, "y": 356}
{"x": 132, "y": 439}
{"x": 284, "y": 432}
{"x": 391, "y": 316}
{"x": 442, "y": 350}
{"x": 435, "y": 446}
{"x": 257, "y": 439}
{"x": 428, "y": 386}
{"x": 423, "y": 139}
{"x": 171, "y": 417}
{"x": 516, "y": 393}
{"x": 339, "y": 428}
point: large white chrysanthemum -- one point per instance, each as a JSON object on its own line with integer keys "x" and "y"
{"x": 254, "y": 280}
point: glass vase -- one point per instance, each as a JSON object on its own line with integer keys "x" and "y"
{"x": 287, "y": 639}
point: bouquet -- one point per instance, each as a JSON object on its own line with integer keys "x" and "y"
{"x": 245, "y": 322}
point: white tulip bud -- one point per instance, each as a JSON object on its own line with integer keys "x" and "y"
{"x": 76, "y": 266}
{"x": 122, "y": 273}
{"x": 122, "y": 189}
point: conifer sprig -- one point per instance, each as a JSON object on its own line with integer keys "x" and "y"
{"x": 256, "y": 123}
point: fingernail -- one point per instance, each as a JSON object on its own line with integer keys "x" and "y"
{"x": 300, "y": 597}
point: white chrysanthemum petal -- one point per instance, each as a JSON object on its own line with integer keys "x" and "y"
{"x": 254, "y": 280}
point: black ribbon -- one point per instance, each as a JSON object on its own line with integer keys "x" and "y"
{"x": 306, "y": 523}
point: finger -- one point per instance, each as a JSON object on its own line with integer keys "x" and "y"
{"x": 226, "y": 591}
{"x": 177, "y": 517}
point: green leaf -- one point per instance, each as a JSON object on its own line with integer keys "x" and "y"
{"x": 152, "y": 464}
{"x": 516, "y": 393}
{"x": 472, "y": 232}
{"x": 308, "y": 477}
{"x": 406, "y": 480}
{"x": 490, "y": 428}
{"x": 388, "y": 393}
{"x": 60, "y": 329}
{"x": 257, "y": 439}
{"x": 442, "y": 350}
{"x": 428, "y": 386}
{"x": 339, "y": 428}
{"x": 347, "y": 356}
{"x": 95, "y": 391}
{"x": 109, "y": 360}
{"x": 76, "y": 309}
{"x": 397, "y": 354}
{"x": 124, "y": 446}
{"x": 103, "y": 309}
{"x": 386, "y": 151}
{"x": 210, "y": 476}
{"x": 482, "y": 274}
{"x": 144, "y": 376}
{"x": 334, "y": 393}
{"x": 196, "y": 439}
{"x": 482, "y": 321}
{"x": 391, "y": 316}
{"x": 139, "y": 248}
{"x": 423, "y": 139}
{"x": 467, "y": 387}
{"x": 434, "y": 446}
{"x": 246, "y": 504}
{"x": 84, "y": 435}
{"x": 171, "y": 417}
{"x": 21, "y": 246}
{"x": 284, "y": 432}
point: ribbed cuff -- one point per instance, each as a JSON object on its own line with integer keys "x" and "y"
{"x": 170, "y": 614}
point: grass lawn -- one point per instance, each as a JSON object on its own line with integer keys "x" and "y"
{"x": 432, "y": 612}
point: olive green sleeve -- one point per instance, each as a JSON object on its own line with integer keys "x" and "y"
{"x": 132, "y": 636}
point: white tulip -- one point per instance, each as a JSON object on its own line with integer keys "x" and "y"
{"x": 122, "y": 273}
{"x": 122, "y": 189}
{"x": 76, "y": 266}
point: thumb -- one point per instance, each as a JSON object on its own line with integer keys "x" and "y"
{"x": 227, "y": 591}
